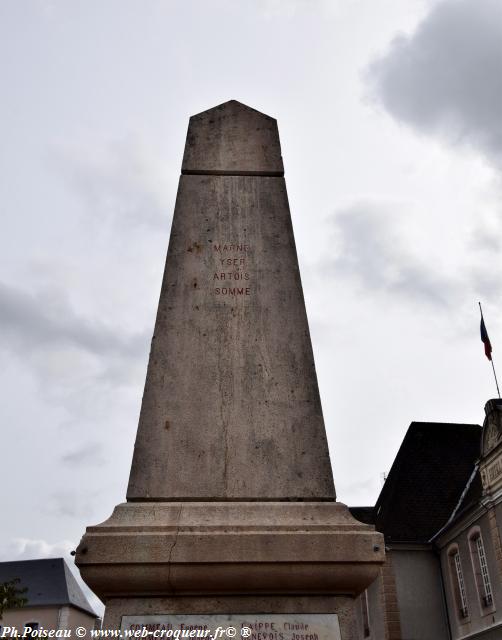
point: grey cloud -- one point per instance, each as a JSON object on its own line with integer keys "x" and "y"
{"x": 486, "y": 282}
{"x": 89, "y": 454}
{"x": 486, "y": 239}
{"x": 290, "y": 8}
{"x": 120, "y": 182}
{"x": 70, "y": 504}
{"x": 484, "y": 246}
{"x": 45, "y": 320}
{"x": 372, "y": 251}
{"x": 446, "y": 77}
{"x": 486, "y": 232}
{"x": 367, "y": 484}
{"x": 75, "y": 361}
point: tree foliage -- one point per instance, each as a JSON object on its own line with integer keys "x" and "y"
{"x": 11, "y": 595}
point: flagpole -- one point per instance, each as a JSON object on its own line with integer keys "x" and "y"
{"x": 491, "y": 357}
{"x": 495, "y": 376}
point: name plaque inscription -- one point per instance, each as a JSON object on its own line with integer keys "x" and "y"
{"x": 287, "y": 626}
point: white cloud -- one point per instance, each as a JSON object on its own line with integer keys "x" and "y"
{"x": 30, "y": 549}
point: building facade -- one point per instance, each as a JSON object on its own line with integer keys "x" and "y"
{"x": 441, "y": 514}
{"x": 55, "y": 601}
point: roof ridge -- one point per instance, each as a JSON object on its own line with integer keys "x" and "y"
{"x": 74, "y": 591}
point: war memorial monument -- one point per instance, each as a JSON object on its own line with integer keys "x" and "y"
{"x": 231, "y": 518}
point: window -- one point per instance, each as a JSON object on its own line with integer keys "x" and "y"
{"x": 480, "y": 567}
{"x": 458, "y": 584}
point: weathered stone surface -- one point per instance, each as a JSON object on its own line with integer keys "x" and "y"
{"x": 342, "y": 605}
{"x": 231, "y": 408}
{"x": 321, "y": 626}
{"x": 233, "y": 139}
{"x": 196, "y": 548}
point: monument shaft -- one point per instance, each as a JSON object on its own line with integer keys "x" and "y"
{"x": 231, "y": 408}
{"x": 231, "y": 505}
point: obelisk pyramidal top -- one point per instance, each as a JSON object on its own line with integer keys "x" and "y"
{"x": 231, "y": 407}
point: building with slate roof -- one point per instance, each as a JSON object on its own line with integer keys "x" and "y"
{"x": 441, "y": 514}
{"x": 55, "y": 600}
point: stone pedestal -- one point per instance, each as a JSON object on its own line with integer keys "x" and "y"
{"x": 231, "y": 503}
{"x": 230, "y": 557}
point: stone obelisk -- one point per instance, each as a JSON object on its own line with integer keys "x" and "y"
{"x": 231, "y": 506}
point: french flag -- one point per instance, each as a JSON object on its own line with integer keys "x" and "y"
{"x": 486, "y": 340}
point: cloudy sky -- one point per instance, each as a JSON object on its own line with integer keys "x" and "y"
{"x": 389, "y": 115}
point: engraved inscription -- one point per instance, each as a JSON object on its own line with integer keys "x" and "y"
{"x": 263, "y": 626}
{"x": 231, "y": 275}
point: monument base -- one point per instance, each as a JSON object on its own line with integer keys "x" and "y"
{"x": 148, "y": 611}
{"x": 158, "y": 558}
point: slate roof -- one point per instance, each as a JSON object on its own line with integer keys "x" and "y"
{"x": 472, "y": 495}
{"x": 427, "y": 479}
{"x": 49, "y": 581}
{"x": 470, "y": 499}
{"x": 363, "y": 514}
